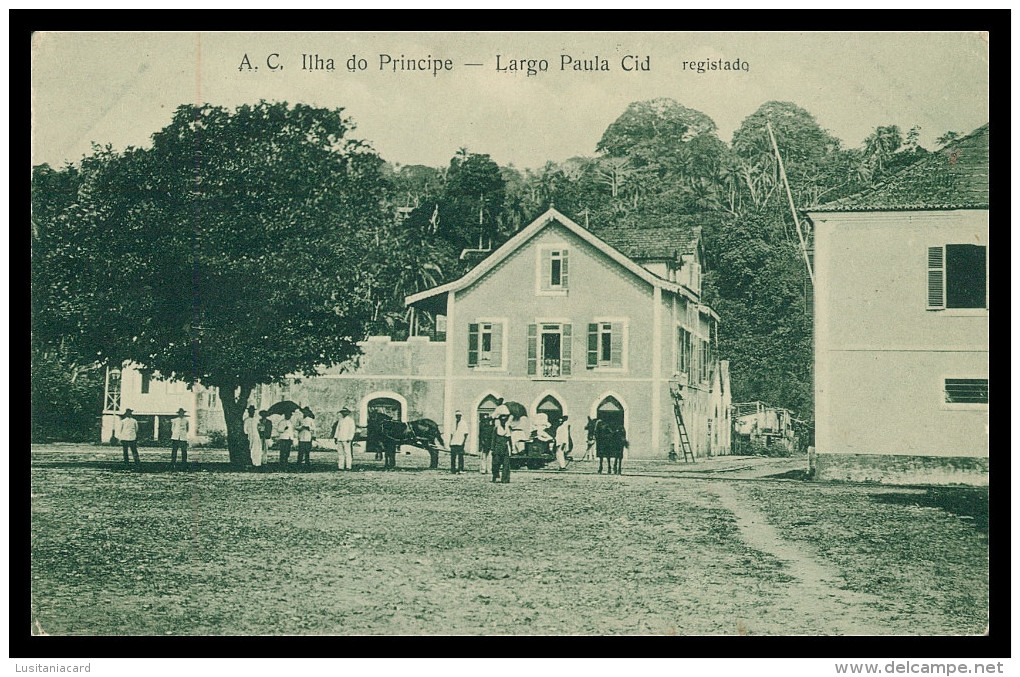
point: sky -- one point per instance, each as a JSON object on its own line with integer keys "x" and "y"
{"x": 120, "y": 88}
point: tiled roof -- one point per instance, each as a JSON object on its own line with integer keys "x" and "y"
{"x": 659, "y": 241}
{"x": 955, "y": 177}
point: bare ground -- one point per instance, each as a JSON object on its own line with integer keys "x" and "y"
{"x": 413, "y": 551}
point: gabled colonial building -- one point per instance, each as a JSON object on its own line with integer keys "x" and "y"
{"x": 901, "y": 324}
{"x": 562, "y": 319}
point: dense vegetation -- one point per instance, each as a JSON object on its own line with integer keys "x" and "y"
{"x": 248, "y": 244}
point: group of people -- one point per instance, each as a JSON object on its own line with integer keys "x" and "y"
{"x": 301, "y": 428}
{"x": 501, "y": 436}
{"x": 127, "y": 433}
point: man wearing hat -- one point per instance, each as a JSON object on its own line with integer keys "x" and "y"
{"x": 179, "y": 438}
{"x": 501, "y": 446}
{"x": 265, "y": 428}
{"x": 563, "y": 443}
{"x": 128, "y": 435}
{"x": 250, "y": 426}
{"x": 343, "y": 434}
{"x": 457, "y": 439}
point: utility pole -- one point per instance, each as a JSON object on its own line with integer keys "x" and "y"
{"x": 793, "y": 210}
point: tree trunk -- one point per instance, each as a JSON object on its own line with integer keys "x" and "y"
{"x": 233, "y": 411}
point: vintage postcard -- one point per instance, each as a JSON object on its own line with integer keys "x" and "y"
{"x": 510, "y": 333}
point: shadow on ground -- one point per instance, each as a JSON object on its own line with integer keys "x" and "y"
{"x": 791, "y": 475}
{"x": 963, "y": 502}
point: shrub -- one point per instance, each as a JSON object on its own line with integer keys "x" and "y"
{"x": 217, "y": 439}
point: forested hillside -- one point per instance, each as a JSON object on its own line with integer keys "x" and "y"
{"x": 657, "y": 160}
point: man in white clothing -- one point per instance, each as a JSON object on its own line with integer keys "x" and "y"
{"x": 344, "y": 436}
{"x": 562, "y": 443}
{"x": 179, "y": 438}
{"x": 128, "y": 435}
{"x": 251, "y": 429}
{"x": 286, "y": 439}
{"x": 457, "y": 439}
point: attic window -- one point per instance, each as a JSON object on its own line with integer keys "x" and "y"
{"x": 556, "y": 269}
{"x": 552, "y": 278}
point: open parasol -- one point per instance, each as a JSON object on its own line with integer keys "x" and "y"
{"x": 283, "y": 408}
{"x": 516, "y": 409}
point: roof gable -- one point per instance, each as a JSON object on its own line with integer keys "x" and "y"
{"x": 656, "y": 242}
{"x": 523, "y": 236}
{"x": 955, "y": 177}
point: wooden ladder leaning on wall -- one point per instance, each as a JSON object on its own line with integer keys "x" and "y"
{"x": 685, "y": 442}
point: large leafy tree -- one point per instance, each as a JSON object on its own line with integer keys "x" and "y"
{"x": 229, "y": 253}
{"x": 810, "y": 154}
{"x": 473, "y": 200}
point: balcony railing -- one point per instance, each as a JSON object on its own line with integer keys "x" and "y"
{"x": 550, "y": 367}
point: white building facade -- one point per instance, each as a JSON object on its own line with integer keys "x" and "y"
{"x": 901, "y": 325}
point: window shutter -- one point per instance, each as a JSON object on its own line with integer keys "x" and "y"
{"x": 593, "y": 346}
{"x": 679, "y": 350}
{"x": 936, "y": 278}
{"x": 545, "y": 273}
{"x": 692, "y": 356}
{"x": 565, "y": 354}
{"x": 532, "y": 349}
{"x": 616, "y": 344}
{"x": 497, "y": 345}
{"x": 563, "y": 269}
{"x": 472, "y": 345}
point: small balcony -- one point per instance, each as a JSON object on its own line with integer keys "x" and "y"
{"x": 550, "y": 367}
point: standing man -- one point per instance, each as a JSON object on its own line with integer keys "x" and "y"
{"x": 265, "y": 429}
{"x": 250, "y": 425}
{"x": 501, "y": 447}
{"x": 457, "y": 439}
{"x": 562, "y": 443}
{"x": 179, "y": 439}
{"x": 286, "y": 437}
{"x": 128, "y": 435}
{"x": 304, "y": 445}
{"x": 343, "y": 434}
{"x": 486, "y": 435}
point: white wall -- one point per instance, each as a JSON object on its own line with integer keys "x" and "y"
{"x": 880, "y": 356}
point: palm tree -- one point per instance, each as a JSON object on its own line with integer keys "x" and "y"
{"x": 880, "y": 145}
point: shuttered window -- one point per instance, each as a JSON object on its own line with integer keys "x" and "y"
{"x": 472, "y": 345}
{"x": 565, "y": 352}
{"x": 605, "y": 345}
{"x": 532, "y": 349}
{"x": 965, "y": 276}
{"x": 957, "y": 276}
{"x": 683, "y": 350}
{"x": 936, "y": 278}
{"x": 554, "y": 269}
{"x": 495, "y": 356}
{"x": 485, "y": 344}
{"x": 550, "y": 350}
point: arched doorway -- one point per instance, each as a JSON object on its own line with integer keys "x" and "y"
{"x": 553, "y": 410}
{"x": 482, "y": 421}
{"x": 611, "y": 410}
{"x": 386, "y": 405}
{"x": 385, "y": 402}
